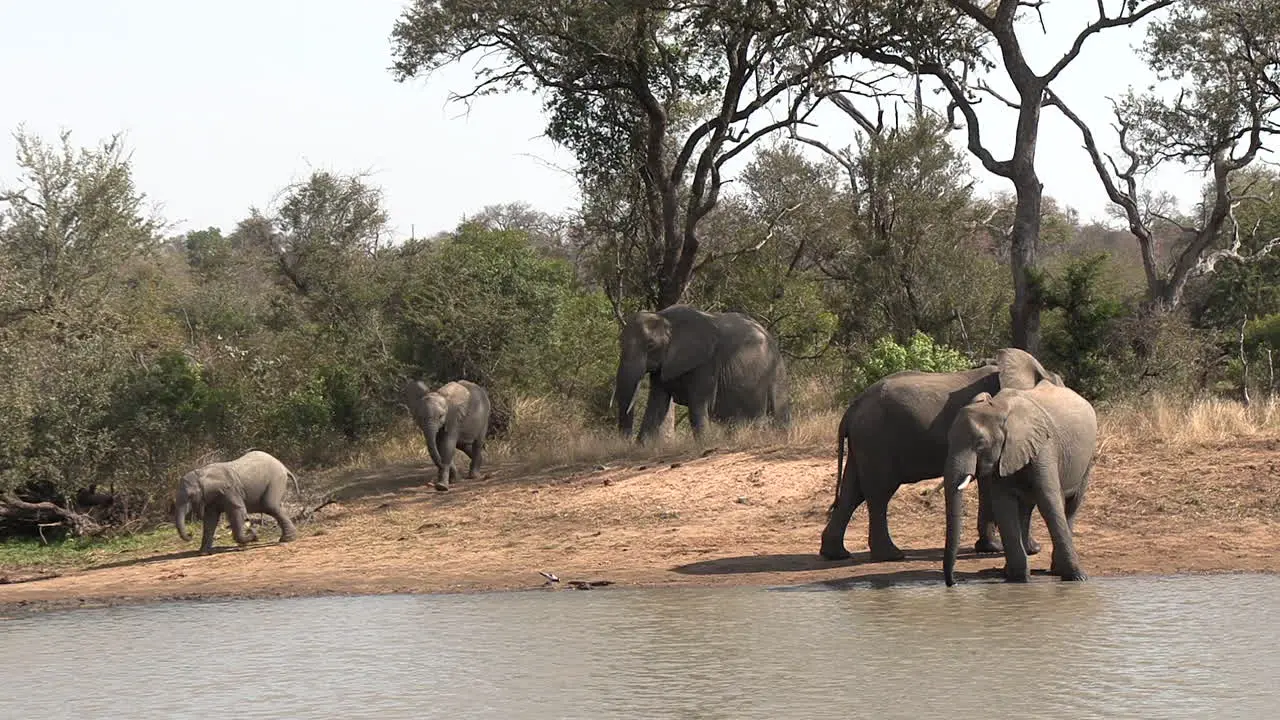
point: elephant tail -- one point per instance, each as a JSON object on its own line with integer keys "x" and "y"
{"x": 842, "y": 437}
{"x": 296, "y": 490}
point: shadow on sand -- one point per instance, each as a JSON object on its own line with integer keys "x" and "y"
{"x": 889, "y": 578}
{"x": 176, "y": 556}
{"x": 794, "y": 563}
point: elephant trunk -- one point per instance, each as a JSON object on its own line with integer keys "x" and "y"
{"x": 432, "y": 429}
{"x": 181, "y": 508}
{"x": 626, "y": 386}
{"x": 960, "y": 472}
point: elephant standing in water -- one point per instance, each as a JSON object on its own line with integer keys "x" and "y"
{"x": 455, "y": 416}
{"x": 896, "y": 431}
{"x": 1025, "y": 448}
{"x": 723, "y": 366}
{"x": 252, "y": 483}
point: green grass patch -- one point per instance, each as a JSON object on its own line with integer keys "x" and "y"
{"x": 27, "y": 554}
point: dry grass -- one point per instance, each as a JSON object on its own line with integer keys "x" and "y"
{"x": 1190, "y": 421}
{"x": 541, "y": 439}
{"x": 544, "y": 437}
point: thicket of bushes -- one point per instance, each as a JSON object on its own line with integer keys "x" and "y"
{"x": 130, "y": 355}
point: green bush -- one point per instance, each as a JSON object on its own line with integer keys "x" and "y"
{"x": 886, "y": 357}
{"x": 1079, "y": 335}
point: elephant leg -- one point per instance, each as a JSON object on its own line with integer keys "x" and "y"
{"x": 236, "y": 519}
{"x": 1071, "y": 505}
{"x": 476, "y": 452}
{"x": 288, "y": 533}
{"x": 446, "y": 470}
{"x": 878, "y": 539}
{"x": 210, "y": 521}
{"x": 699, "y": 410}
{"x": 1005, "y": 507}
{"x": 1028, "y": 543}
{"x": 988, "y": 538}
{"x": 655, "y": 411}
{"x": 1064, "y": 559}
{"x": 988, "y": 534}
{"x": 849, "y": 497}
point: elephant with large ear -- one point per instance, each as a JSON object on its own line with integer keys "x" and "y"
{"x": 723, "y": 366}
{"x": 896, "y": 432}
{"x": 255, "y": 482}
{"x": 455, "y": 416}
{"x": 1026, "y": 448}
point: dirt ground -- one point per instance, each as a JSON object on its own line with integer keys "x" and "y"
{"x": 723, "y": 518}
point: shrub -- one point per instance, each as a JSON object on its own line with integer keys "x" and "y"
{"x": 886, "y": 357}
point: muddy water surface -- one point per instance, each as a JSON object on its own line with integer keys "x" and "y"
{"x": 1179, "y": 647}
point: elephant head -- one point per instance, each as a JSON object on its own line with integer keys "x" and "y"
{"x": 992, "y": 437}
{"x": 670, "y": 343}
{"x": 190, "y": 493}
{"x": 430, "y": 410}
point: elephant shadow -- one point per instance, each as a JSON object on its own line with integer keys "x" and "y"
{"x": 808, "y": 562}
{"x": 795, "y": 562}
{"x": 178, "y": 555}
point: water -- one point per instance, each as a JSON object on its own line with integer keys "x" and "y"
{"x": 1183, "y": 647}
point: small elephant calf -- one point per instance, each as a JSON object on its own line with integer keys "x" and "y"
{"x": 453, "y": 417}
{"x": 252, "y": 483}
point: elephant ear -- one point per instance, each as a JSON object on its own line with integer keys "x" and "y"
{"x": 693, "y": 337}
{"x": 1026, "y": 431}
{"x": 1020, "y": 370}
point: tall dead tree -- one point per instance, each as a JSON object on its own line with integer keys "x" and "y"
{"x": 1225, "y": 56}
{"x": 925, "y": 44}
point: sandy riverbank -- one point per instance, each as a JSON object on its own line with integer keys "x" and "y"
{"x": 726, "y": 518}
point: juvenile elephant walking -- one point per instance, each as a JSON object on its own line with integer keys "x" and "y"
{"x": 724, "y": 367}
{"x": 252, "y": 483}
{"x": 896, "y": 432}
{"x": 1026, "y": 448}
{"x": 453, "y": 417}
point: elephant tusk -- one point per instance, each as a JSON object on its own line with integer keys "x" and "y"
{"x": 964, "y": 482}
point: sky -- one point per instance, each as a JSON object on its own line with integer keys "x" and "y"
{"x": 223, "y": 104}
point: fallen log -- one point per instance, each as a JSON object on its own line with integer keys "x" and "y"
{"x": 39, "y": 512}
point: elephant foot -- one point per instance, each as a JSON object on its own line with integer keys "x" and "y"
{"x": 1076, "y": 575}
{"x": 288, "y": 538}
{"x": 836, "y": 553}
{"x": 889, "y": 554}
{"x": 471, "y": 475}
{"x": 1017, "y": 577}
{"x": 441, "y": 487}
{"x": 987, "y": 546}
{"x": 206, "y": 551}
{"x": 1031, "y": 546}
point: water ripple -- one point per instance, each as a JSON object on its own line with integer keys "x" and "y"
{"x": 1118, "y": 647}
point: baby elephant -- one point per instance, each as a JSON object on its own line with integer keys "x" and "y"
{"x": 252, "y": 483}
{"x": 1031, "y": 449}
{"x": 455, "y": 416}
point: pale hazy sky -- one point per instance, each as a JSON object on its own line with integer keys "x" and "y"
{"x": 225, "y": 103}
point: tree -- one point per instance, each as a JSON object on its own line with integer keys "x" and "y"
{"x": 73, "y": 243}
{"x": 911, "y": 257}
{"x": 1246, "y": 289}
{"x": 665, "y": 91}
{"x": 1224, "y": 58}
{"x": 69, "y": 227}
{"x": 927, "y": 36}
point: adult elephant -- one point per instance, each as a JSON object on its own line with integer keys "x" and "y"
{"x": 896, "y": 431}
{"x": 722, "y": 366}
{"x": 1025, "y": 448}
{"x": 255, "y": 482}
{"x": 454, "y": 416}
